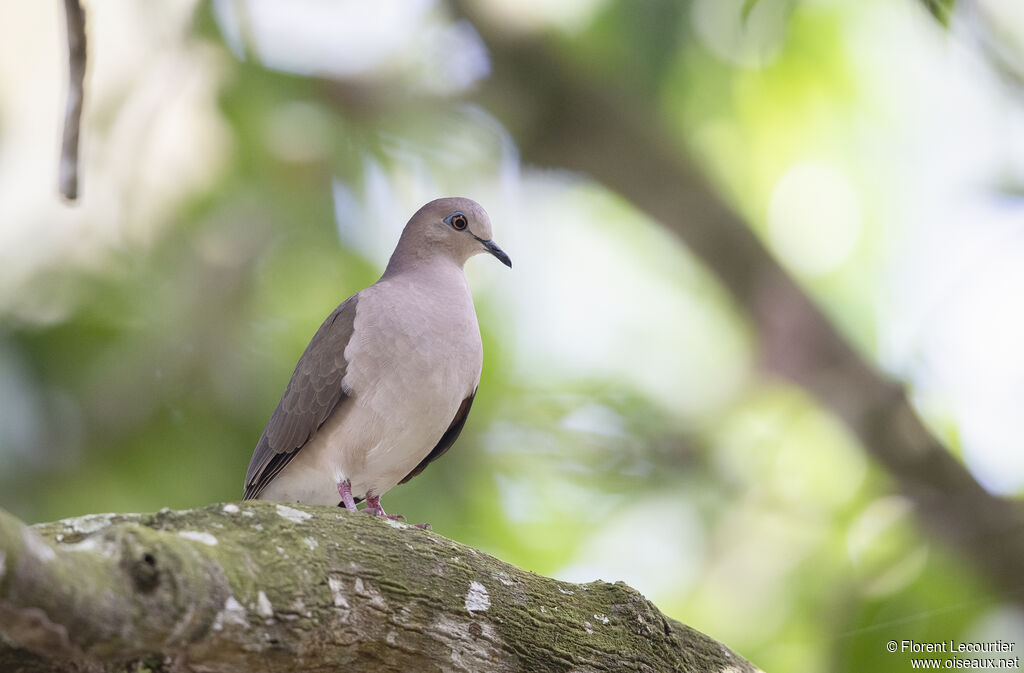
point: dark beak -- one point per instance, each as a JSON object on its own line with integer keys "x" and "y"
{"x": 493, "y": 248}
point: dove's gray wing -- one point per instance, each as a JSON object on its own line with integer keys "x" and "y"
{"x": 313, "y": 394}
{"x": 447, "y": 439}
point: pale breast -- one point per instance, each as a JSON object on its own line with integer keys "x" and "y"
{"x": 426, "y": 343}
{"x": 410, "y": 366}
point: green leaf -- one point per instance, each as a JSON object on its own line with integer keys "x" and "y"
{"x": 942, "y": 10}
{"x": 748, "y": 7}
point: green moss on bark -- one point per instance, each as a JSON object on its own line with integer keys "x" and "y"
{"x": 250, "y": 585}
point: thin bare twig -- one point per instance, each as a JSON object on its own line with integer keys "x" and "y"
{"x": 75, "y": 16}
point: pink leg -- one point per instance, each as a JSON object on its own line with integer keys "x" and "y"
{"x": 345, "y": 491}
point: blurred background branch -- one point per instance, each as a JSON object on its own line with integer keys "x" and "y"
{"x": 613, "y": 135}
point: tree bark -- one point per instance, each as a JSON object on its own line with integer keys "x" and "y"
{"x": 560, "y": 116}
{"x": 258, "y": 586}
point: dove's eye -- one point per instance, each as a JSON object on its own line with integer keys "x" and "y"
{"x": 458, "y": 221}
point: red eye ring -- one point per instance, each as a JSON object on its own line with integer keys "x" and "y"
{"x": 458, "y": 221}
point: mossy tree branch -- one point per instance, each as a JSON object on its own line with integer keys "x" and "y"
{"x": 261, "y": 586}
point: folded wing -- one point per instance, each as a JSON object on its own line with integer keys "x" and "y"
{"x": 314, "y": 393}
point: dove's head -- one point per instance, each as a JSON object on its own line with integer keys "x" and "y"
{"x": 452, "y": 229}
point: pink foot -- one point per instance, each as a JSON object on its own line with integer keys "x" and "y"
{"x": 345, "y": 491}
{"x": 373, "y": 507}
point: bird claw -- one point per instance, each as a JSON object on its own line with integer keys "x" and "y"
{"x": 373, "y": 508}
{"x": 395, "y": 517}
{"x": 379, "y": 512}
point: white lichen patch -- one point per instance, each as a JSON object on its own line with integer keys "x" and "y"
{"x": 503, "y": 577}
{"x": 311, "y": 542}
{"x": 477, "y": 599}
{"x": 565, "y": 591}
{"x": 230, "y": 508}
{"x": 299, "y": 608}
{"x": 91, "y": 544}
{"x": 35, "y": 546}
{"x": 246, "y": 512}
{"x": 198, "y": 536}
{"x": 337, "y": 592}
{"x": 403, "y": 616}
{"x": 292, "y": 514}
{"x": 368, "y": 591}
{"x": 588, "y": 627}
{"x": 232, "y": 614}
{"x": 90, "y": 523}
{"x": 395, "y": 524}
{"x": 263, "y": 606}
{"x": 601, "y": 618}
{"x": 470, "y": 652}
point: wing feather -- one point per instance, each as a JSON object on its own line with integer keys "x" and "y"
{"x": 314, "y": 392}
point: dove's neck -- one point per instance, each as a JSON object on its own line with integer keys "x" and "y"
{"x": 414, "y": 255}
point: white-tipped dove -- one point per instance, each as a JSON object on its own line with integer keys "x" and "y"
{"x": 386, "y": 384}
